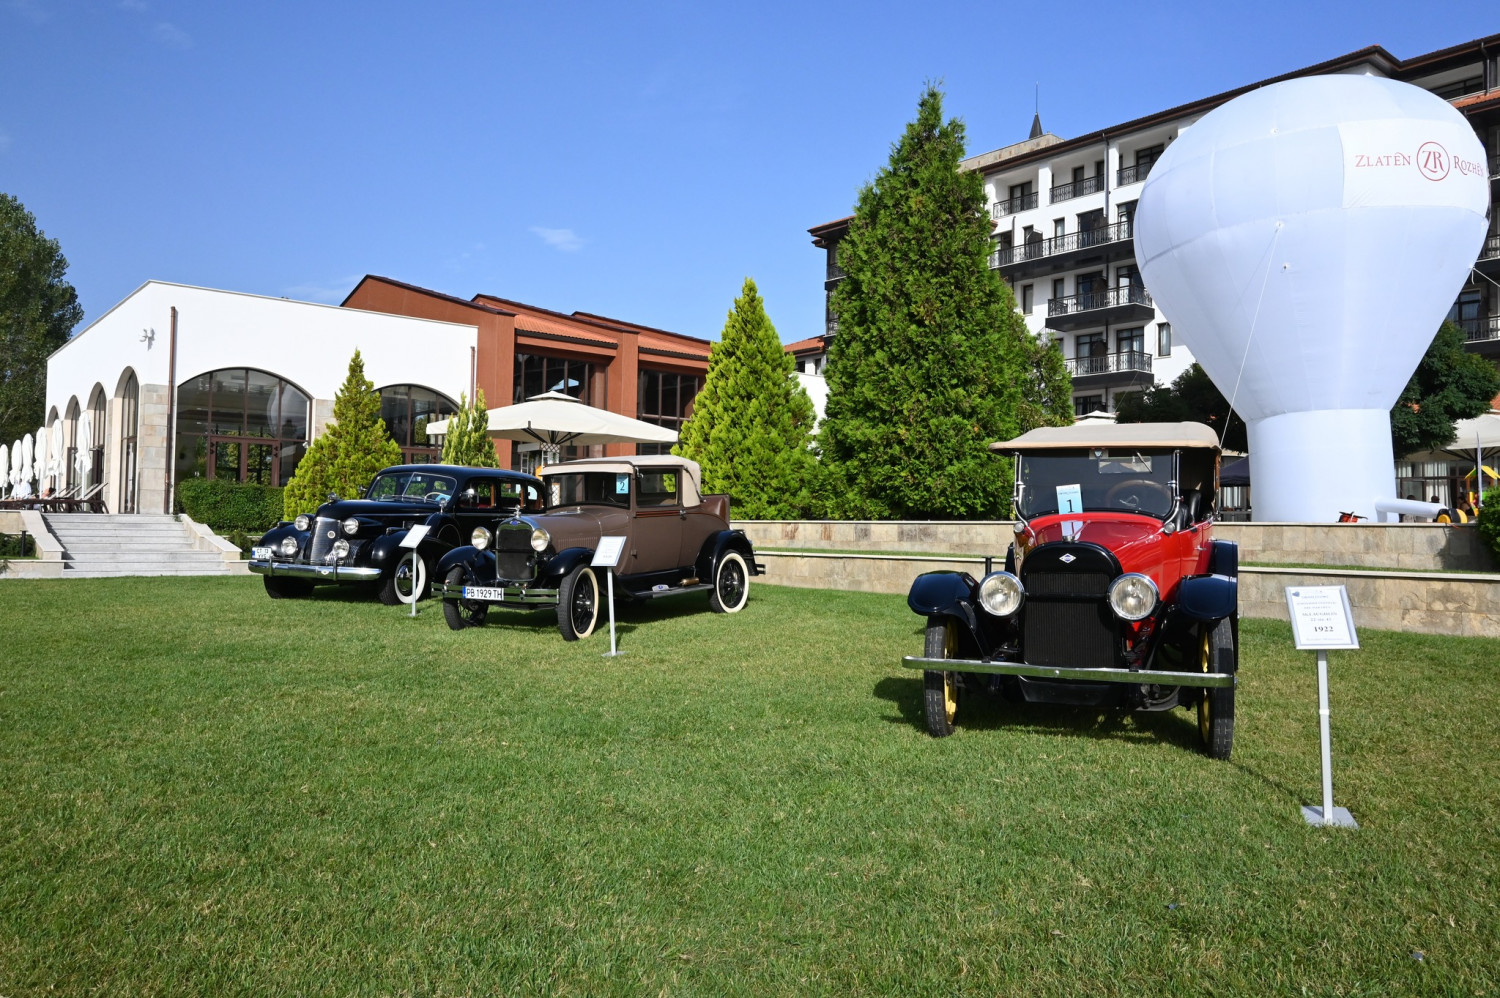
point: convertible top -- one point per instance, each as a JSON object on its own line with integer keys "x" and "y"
{"x": 693, "y": 475}
{"x": 1142, "y": 435}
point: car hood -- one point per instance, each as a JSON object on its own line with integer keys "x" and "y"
{"x": 372, "y": 509}
{"x": 579, "y": 526}
{"x": 1137, "y": 541}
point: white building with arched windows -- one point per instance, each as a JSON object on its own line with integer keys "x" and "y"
{"x": 254, "y": 380}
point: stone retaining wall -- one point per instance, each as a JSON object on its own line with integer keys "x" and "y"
{"x": 1411, "y": 546}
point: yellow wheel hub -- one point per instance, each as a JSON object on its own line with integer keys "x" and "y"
{"x": 1205, "y": 710}
{"x": 950, "y": 684}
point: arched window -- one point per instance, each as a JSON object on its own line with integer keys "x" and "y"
{"x": 407, "y": 409}
{"x": 94, "y": 459}
{"x": 70, "y": 444}
{"x": 130, "y": 413}
{"x": 240, "y": 424}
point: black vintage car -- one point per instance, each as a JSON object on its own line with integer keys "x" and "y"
{"x": 358, "y": 541}
{"x": 676, "y": 540}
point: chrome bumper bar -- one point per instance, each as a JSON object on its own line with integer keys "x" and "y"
{"x": 1153, "y": 677}
{"x": 316, "y": 573}
{"x": 512, "y": 595}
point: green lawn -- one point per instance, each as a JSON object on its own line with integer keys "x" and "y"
{"x": 205, "y": 792}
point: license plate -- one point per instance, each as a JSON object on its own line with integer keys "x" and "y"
{"x": 484, "y": 593}
{"x": 261, "y": 554}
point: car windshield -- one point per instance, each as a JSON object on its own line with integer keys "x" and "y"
{"x": 406, "y": 486}
{"x": 1098, "y": 480}
{"x": 592, "y": 488}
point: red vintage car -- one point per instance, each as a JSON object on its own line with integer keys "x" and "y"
{"x": 1114, "y": 594}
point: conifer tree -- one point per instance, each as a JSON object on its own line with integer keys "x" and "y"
{"x": 468, "y": 441}
{"x": 752, "y": 422}
{"x": 931, "y": 358}
{"x": 1048, "y": 396}
{"x": 351, "y": 450}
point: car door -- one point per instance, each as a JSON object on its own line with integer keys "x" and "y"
{"x": 656, "y": 521}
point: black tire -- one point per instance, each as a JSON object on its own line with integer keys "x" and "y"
{"x": 287, "y": 588}
{"x": 1217, "y": 653}
{"x": 578, "y": 604}
{"x": 461, "y": 613}
{"x": 394, "y": 585}
{"x": 731, "y": 584}
{"x": 940, "y": 689}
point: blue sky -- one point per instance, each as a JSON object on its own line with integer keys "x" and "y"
{"x": 632, "y": 160}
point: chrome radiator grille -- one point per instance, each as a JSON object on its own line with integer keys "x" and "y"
{"x": 513, "y": 554}
{"x": 321, "y": 545}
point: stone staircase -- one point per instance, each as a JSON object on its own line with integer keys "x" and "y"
{"x": 97, "y": 545}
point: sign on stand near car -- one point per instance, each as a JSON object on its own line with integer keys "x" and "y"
{"x": 359, "y": 541}
{"x": 677, "y": 540}
{"x": 1114, "y": 594}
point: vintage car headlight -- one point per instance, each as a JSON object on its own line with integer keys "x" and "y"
{"x": 1132, "y": 596}
{"x": 480, "y": 538}
{"x": 341, "y": 549}
{"x": 539, "y": 540}
{"x": 289, "y": 545}
{"x": 1000, "y": 594}
{"x": 351, "y": 526}
{"x": 302, "y": 522}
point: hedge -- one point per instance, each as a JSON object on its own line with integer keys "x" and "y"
{"x": 226, "y": 506}
{"x": 1489, "y": 521}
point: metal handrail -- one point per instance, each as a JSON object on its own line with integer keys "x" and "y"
{"x": 1480, "y": 330}
{"x": 1132, "y": 174}
{"x": 1129, "y": 294}
{"x": 1078, "y": 188}
{"x": 1491, "y": 247}
{"x": 1067, "y": 243}
{"x": 1126, "y": 361}
{"x": 835, "y": 272}
{"x": 1021, "y": 202}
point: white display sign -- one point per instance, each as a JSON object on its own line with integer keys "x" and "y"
{"x": 607, "y": 554}
{"x": 1321, "y": 618}
{"x": 414, "y": 536}
{"x": 1070, "y": 499}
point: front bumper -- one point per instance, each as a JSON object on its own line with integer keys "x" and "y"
{"x": 1152, "y": 676}
{"x": 509, "y": 595}
{"x": 315, "y": 573}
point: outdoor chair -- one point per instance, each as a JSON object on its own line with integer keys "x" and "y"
{"x": 84, "y": 502}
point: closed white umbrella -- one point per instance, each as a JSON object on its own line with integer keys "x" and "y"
{"x": 83, "y": 457}
{"x": 26, "y": 455}
{"x": 55, "y": 456}
{"x": 13, "y": 469}
{"x": 555, "y": 420}
{"x": 39, "y": 458}
{"x": 4, "y": 467}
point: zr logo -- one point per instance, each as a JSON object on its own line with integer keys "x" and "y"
{"x": 1432, "y": 160}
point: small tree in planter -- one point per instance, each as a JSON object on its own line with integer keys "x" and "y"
{"x": 468, "y": 442}
{"x": 349, "y": 453}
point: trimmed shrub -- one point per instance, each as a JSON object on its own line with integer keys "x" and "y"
{"x": 229, "y": 506}
{"x": 1489, "y": 521}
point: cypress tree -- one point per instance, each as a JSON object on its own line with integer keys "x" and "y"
{"x": 1048, "y": 396}
{"x": 351, "y": 450}
{"x": 931, "y": 358}
{"x": 468, "y": 441}
{"x": 751, "y": 423}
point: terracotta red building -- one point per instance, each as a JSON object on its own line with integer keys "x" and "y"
{"x": 522, "y": 350}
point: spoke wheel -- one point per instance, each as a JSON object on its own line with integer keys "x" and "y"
{"x": 1217, "y": 653}
{"x": 578, "y": 604}
{"x": 731, "y": 584}
{"x": 461, "y": 613}
{"x": 940, "y": 689}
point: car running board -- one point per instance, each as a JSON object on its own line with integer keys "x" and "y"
{"x": 669, "y": 591}
{"x": 1153, "y": 677}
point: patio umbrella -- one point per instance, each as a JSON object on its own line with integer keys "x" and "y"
{"x": 4, "y": 466}
{"x": 1235, "y": 473}
{"x": 26, "y": 455}
{"x": 555, "y": 420}
{"x": 1476, "y": 443}
{"x": 39, "y": 459}
{"x": 55, "y": 453}
{"x": 83, "y": 457}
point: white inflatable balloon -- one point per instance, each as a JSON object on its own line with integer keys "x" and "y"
{"x": 1305, "y": 240}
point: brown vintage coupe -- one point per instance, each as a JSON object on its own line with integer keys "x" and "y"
{"x": 677, "y": 540}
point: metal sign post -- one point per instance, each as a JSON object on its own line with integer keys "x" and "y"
{"x": 413, "y": 537}
{"x": 1322, "y": 620}
{"x": 607, "y": 556}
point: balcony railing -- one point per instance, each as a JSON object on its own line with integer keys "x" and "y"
{"x": 1130, "y": 294}
{"x": 1042, "y": 248}
{"x": 1481, "y": 330}
{"x": 1124, "y": 362}
{"x": 1021, "y": 202}
{"x": 1132, "y": 174}
{"x": 835, "y": 272}
{"x": 1078, "y": 188}
{"x": 1494, "y": 165}
{"x": 1491, "y": 248}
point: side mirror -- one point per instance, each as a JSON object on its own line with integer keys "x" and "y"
{"x": 468, "y": 496}
{"x": 364, "y": 490}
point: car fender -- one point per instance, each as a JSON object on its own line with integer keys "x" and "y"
{"x": 384, "y": 552}
{"x": 714, "y": 548}
{"x": 944, "y": 594}
{"x": 272, "y": 538}
{"x": 565, "y": 561}
{"x": 478, "y": 564}
{"x": 1224, "y": 559}
{"x": 1208, "y": 597}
